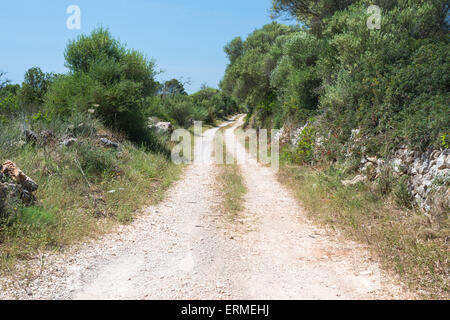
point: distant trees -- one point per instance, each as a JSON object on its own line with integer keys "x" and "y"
{"x": 35, "y": 86}
{"x": 173, "y": 86}
{"x": 206, "y": 105}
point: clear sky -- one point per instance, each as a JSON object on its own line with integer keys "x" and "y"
{"x": 185, "y": 37}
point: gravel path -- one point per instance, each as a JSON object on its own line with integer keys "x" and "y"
{"x": 287, "y": 256}
{"x": 184, "y": 248}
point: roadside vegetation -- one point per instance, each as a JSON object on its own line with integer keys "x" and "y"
{"x": 391, "y": 84}
{"x": 84, "y": 189}
{"x": 84, "y": 138}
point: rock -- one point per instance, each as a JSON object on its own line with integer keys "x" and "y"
{"x": 443, "y": 162}
{"x": 11, "y": 170}
{"x": 12, "y": 190}
{"x": 381, "y": 162}
{"x": 421, "y": 191}
{"x": 163, "y": 127}
{"x": 397, "y": 165}
{"x": 69, "y": 142}
{"x": 108, "y": 143}
{"x": 423, "y": 169}
{"x": 354, "y": 181}
{"x": 435, "y": 154}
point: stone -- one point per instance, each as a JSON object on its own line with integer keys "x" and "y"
{"x": 423, "y": 169}
{"x": 443, "y": 162}
{"x": 108, "y": 143}
{"x": 435, "y": 154}
{"x": 10, "y": 169}
{"x": 69, "y": 142}
{"x": 163, "y": 127}
{"x": 397, "y": 165}
{"x": 23, "y": 187}
{"x": 421, "y": 191}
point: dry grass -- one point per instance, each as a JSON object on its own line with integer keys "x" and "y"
{"x": 84, "y": 191}
{"x": 232, "y": 185}
{"x": 404, "y": 239}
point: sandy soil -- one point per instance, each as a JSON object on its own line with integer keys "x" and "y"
{"x": 184, "y": 248}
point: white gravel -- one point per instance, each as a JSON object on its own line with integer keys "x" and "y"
{"x": 183, "y": 248}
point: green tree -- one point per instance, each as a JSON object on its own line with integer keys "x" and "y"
{"x": 35, "y": 86}
{"x": 310, "y": 12}
{"x": 3, "y": 80}
{"x": 173, "y": 86}
{"x": 106, "y": 75}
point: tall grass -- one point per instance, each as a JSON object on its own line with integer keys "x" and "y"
{"x": 404, "y": 239}
{"x": 84, "y": 190}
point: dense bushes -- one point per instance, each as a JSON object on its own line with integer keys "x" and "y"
{"x": 390, "y": 83}
{"x": 107, "y": 78}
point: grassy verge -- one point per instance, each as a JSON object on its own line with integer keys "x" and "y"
{"x": 84, "y": 190}
{"x": 405, "y": 241}
{"x": 232, "y": 185}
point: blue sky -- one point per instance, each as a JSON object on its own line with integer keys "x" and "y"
{"x": 185, "y": 37}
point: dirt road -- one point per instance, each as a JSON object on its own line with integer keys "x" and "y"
{"x": 185, "y": 249}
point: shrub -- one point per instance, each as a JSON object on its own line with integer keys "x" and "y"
{"x": 36, "y": 217}
{"x": 303, "y": 152}
{"x": 111, "y": 80}
{"x": 403, "y": 198}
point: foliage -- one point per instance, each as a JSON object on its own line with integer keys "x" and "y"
{"x": 108, "y": 78}
{"x": 206, "y": 105}
{"x": 35, "y": 86}
{"x": 303, "y": 152}
{"x": 171, "y": 87}
{"x": 391, "y": 83}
